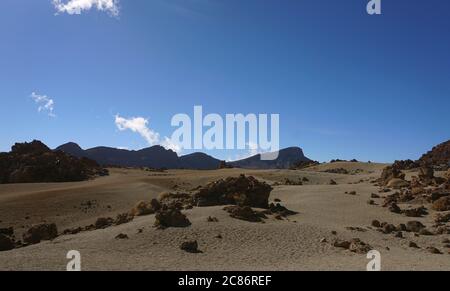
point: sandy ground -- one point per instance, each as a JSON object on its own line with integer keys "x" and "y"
{"x": 291, "y": 244}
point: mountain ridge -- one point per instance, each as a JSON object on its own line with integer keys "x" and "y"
{"x": 159, "y": 157}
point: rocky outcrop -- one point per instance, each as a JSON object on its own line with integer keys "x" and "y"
{"x": 244, "y": 213}
{"x": 390, "y": 173}
{"x": 170, "y": 217}
{"x": 397, "y": 183}
{"x": 447, "y": 175}
{"x": 142, "y": 208}
{"x": 442, "y": 204}
{"x": 355, "y": 245}
{"x": 438, "y": 157}
{"x": 35, "y": 163}
{"x": 40, "y": 232}
{"x": 6, "y": 243}
{"x": 242, "y": 190}
{"x": 406, "y": 165}
{"x": 103, "y": 222}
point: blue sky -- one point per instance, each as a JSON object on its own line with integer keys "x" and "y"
{"x": 346, "y": 84}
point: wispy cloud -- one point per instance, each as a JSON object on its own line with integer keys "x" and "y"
{"x": 140, "y": 125}
{"x": 77, "y": 6}
{"x": 45, "y": 104}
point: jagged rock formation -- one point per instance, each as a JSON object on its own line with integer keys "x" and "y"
{"x": 35, "y": 163}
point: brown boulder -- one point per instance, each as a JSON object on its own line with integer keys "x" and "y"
{"x": 142, "y": 208}
{"x": 212, "y": 219}
{"x": 447, "y": 174}
{"x": 244, "y": 213}
{"x": 9, "y": 231}
{"x": 442, "y": 218}
{"x": 434, "y": 250}
{"x": 40, "y": 232}
{"x": 397, "y": 183}
{"x": 173, "y": 200}
{"x": 6, "y": 243}
{"x": 279, "y": 210}
{"x": 123, "y": 218}
{"x": 190, "y": 247}
{"x": 415, "y": 212}
{"x": 376, "y": 223}
{"x": 414, "y": 226}
{"x": 442, "y": 204}
{"x": 413, "y": 245}
{"x": 394, "y": 208}
{"x": 171, "y": 217}
{"x": 355, "y": 245}
{"x": 359, "y": 247}
{"x": 122, "y": 236}
{"x": 389, "y": 228}
{"x": 390, "y": 173}
{"x": 103, "y": 222}
{"x": 342, "y": 244}
{"x": 438, "y": 157}
{"x": 243, "y": 191}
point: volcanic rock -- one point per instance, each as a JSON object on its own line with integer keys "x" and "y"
{"x": 413, "y": 245}
{"x": 434, "y": 250}
{"x": 123, "y": 218}
{"x": 244, "y": 213}
{"x": 442, "y": 204}
{"x": 122, "y": 236}
{"x": 190, "y": 247}
{"x": 243, "y": 191}
{"x": 40, "y": 232}
{"x": 415, "y": 212}
{"x": 103, "y": 222}
{"x": 6, "y": 243}
{"x": 393, "y": 207}
{"x": 171, "y": 218}
{"x": 376, "y": 223}
{"x": 7, "y": 231}
{"x": 438, "y": 157}
{"x": 35, "y": 163}
{"x": 414, "y": 226}
{"x": 142, "y": 208}
{"x": 397, "y": 183}
{"x": 355, "y": 245}
{"x": 390, "y": 173}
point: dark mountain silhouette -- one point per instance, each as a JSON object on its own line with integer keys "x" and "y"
{"x": 200, "y": 161}
{"x": 159, "y": 157}
{"x": 286, "y": 158}
{"x": 154, "y": 157}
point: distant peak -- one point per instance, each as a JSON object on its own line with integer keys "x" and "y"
{"x": 69, "y": 146}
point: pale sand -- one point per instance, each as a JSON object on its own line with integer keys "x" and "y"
{"x": 292, "y": 244}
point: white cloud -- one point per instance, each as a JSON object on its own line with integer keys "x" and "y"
{"x": 77, "y": 6}
{"x": 140, "y": 126}
{"x": 44, "y": 103}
